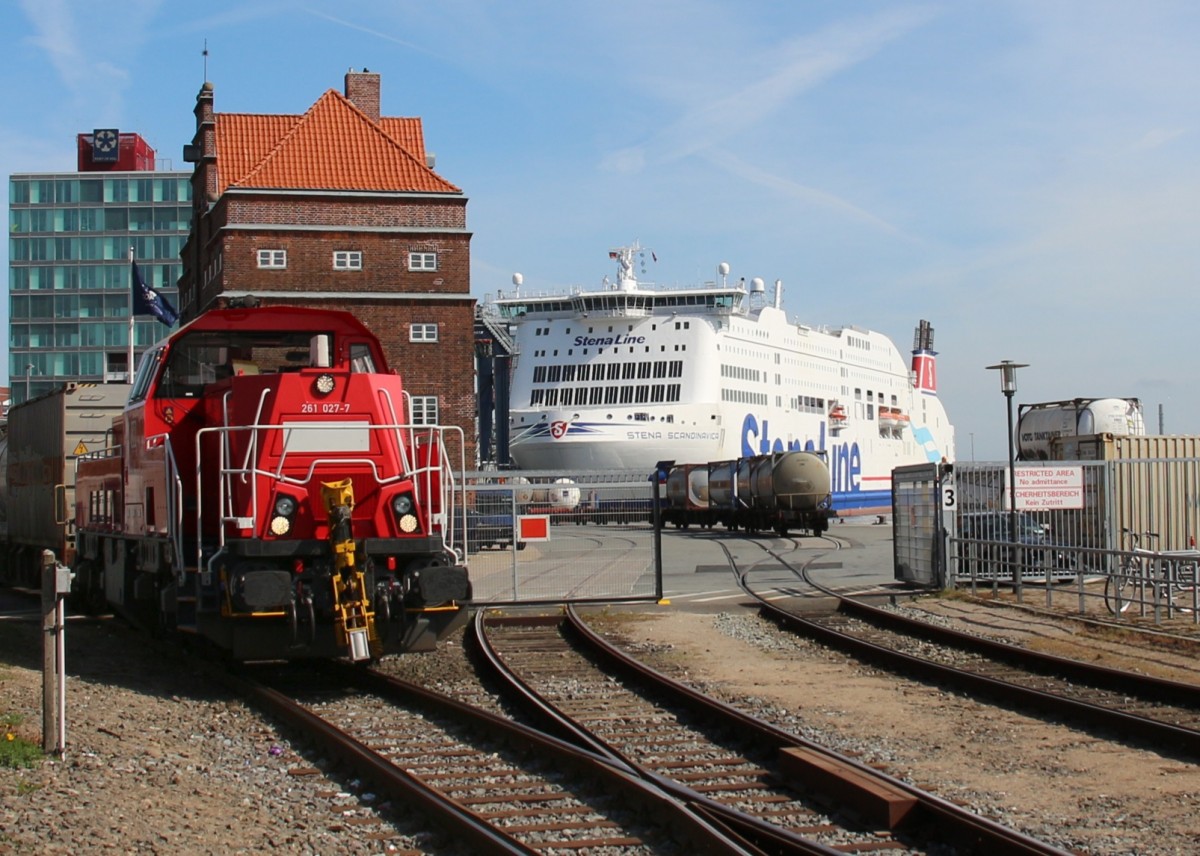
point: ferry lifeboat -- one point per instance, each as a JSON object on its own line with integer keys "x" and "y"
{"x": 889, "y": 420}
{"x": 837, "y": 417}
{"x": 901, "y": 420}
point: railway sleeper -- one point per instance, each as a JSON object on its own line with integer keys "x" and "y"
{"x": 879, "y": 803}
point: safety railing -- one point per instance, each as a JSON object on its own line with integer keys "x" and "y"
{"x": 1142, "y": 584}
{"x": 414, "y": 458}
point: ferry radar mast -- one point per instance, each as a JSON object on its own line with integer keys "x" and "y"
{"x": 626, "y": 278}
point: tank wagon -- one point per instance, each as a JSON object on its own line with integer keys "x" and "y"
{"x": 45, "y": 436}
{"x": 265, "y": 491}
{"x": 1040, "y": 427}
{"x": 779, "y": 492}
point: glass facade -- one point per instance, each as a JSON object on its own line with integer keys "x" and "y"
{"x": 69, "y": 279}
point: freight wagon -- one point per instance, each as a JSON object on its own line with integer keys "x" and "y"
{"x": 45, "y": 437}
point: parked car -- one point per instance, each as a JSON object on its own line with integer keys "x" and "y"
{"x": 988, "y": 549}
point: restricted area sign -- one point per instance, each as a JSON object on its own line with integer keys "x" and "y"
{"x": 533, "y": 527}
{"x": 1049, "y": 488}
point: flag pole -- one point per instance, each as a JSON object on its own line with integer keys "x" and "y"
{"x": 129, "y": 365}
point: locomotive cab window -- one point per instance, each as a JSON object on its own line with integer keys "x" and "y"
{"x": 145, "y": 373}
{"x": 360, "y": 358}
{"x": 207, "y": 357}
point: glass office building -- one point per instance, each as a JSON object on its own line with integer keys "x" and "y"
{"x": 69, "y": 276}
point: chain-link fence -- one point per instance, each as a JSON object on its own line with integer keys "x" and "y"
{"x": 1110, "y": 537}
{"x": 542, "y": 537}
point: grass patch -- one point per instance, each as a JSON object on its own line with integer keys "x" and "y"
{"x": 15, "y": 751}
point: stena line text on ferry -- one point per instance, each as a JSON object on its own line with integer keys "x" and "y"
{"x": 845, "y": 459}
{"x": 607, "y": 341}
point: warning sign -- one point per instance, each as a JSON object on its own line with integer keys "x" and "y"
{"x": 533, "y": 527}
{"x": 1048, "y": 488}
{"x": 81, "y": 449}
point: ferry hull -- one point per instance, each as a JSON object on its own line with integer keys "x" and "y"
{"x": 597, "y": 446}
{"x": 860, "y": 467}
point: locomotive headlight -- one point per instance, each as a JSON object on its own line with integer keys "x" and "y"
{"x": 285, "y": 509}
{"x": 324, "y": 384}
{"x": 402, "y": 507}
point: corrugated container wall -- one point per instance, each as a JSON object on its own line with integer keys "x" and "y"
{"x": 45, "y": 436}
{"x": 1154, "y": 484}
{"x": 1124, "y": 447}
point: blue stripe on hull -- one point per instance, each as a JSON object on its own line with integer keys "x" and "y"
{"x": 862, "y": 502}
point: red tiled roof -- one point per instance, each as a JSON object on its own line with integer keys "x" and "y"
{"x": 333, "y": 146}
{"x": 407, "y": 131}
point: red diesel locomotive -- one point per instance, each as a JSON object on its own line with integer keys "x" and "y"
{"x": 266, "y": 492}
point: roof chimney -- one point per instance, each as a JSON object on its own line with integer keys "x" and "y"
{"x": 362, "y": 89}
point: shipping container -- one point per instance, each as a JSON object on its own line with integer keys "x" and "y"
{"x": 45, "y": 436}
{"x": 1153, "y": 486}
{"x": 1117, "y": 447}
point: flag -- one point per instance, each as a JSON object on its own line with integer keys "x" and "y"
{"x": 147, "y": 301}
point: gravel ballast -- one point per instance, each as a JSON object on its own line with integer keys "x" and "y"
{"x": 161, "y": 761}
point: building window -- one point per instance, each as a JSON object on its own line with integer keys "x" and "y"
{"x": 347, "y": 260}
{"x": 274, "y": 259}
{"x": 422, "y": 261}
{"x": 424, "y": 410}
{"x": 422, "y": 332}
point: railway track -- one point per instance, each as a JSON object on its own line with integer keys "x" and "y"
{"x": 781, "y": 793}
{"x": 490, "y": 784}
{"x": 1130, "y": 707}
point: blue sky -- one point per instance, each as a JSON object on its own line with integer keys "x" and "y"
{"x": 1025, "y": 175}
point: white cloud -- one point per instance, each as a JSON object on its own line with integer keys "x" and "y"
{"x": 713, "y": 117}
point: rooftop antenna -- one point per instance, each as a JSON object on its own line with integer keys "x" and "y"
{"x": 204, "y": 53}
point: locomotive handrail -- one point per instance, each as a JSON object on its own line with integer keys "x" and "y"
{"x": 390, "y": 406}
{"x": 447, "y": 473}
{"x": 435, "y": 433}
{"x": 251, "y": 454}
{"x": 174, "y": 500}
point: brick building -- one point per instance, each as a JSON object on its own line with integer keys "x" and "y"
{"x": 339, "y": 207}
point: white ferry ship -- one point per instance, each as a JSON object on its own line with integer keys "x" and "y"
{"x": 631, "y": 374}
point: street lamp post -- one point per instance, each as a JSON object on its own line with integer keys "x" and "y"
{"x": 1008, "y": 385}
{"x": 28, "y": 372}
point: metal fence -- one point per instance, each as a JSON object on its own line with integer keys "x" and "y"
{"x": 545, "y": 537}
{"x": 1124, "y": 545}
{"x": 918, "y": 519}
